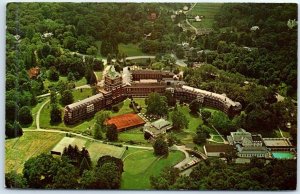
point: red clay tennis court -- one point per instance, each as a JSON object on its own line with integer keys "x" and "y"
{"x": 126, "y": 121}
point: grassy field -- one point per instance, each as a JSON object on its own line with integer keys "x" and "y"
{"x": 18, "y": 150}
{"x": 130, "y": 49}
{"x": 34, "y": 111}
{"x": 82, "y": 94}
{"x": 135, "y": 135}
{"x": 208, "y": 10}
{"x": 139, "y": 165}
{"x": 48, "y": 83}
{"x": 194, "y": 121}
{"x": 99, "y": 74}
{"x": 97, "y": 149}
{"x": 86, "y": 125}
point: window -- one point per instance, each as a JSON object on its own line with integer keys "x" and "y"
{"x": 90, "y": 108}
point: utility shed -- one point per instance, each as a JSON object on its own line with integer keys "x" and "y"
{"x": 65, "y": 142}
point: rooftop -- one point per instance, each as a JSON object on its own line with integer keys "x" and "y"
{"x": 66, "y": 141}
{"x": 225, "y": 99}
{"x": 112, "y": 73}
{"x": 160, "y": 123}
{"x": 218, "y": 148}
{"x": 125, "y": 121}
{"x": 85, "y": 101}
{"x": 277, "y": 142}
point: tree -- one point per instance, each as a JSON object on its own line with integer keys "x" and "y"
{"x": 55, "y": 114}
{"x": 112, "y": 133}
{"x": 25, "y": 117}
{"x": 53, "y": 74}
{"x": 40, "y": 170}
{"x": 67, "y": 97}
{"x": 205, "y": 114}
{"x": 221, "y": 121}
{"x": 160, "y": 147}
{"x": 97, "y": 131}
{"x": 170, "y": 98}
{"x": 101, "y": 117}
{"x": 180, "y": 52}
{"x": 156, "y": 104}
{"x": 53, "y": 97}
{"x": 194, "y": 107}
{"x": 106, "y": 176}
{"x": 165, "y": 179}
{"x": 200, "y": 138}
{"x": 15, "y": 181}
{"x": 80, "y": 159}
{"x": 91, "y": 50}
{"x": 13, "y": 130}
{"x": 179, "y": 120}
{"x": 110, "y": 159}
{"x": 98, "y": 65}
{"x": 66, "y": 177}
{"x": 11, "y": 110}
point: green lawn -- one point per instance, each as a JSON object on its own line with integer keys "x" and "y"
{"x": 81, "y": 82}
{"x": 97, "y": 149}
{"x": 81, "y": 127}
{"x": 18, "y": 150}
{"x": 34, "y": 111}
{"x": 139, "y": 165}
{"x": 217, "y": 138}
{"x": 48, "y": 83}
{"x": 194, "y": 121}
{"x": 81, "y": 94}
{"x": 208, "y": 10}
{"x": 124, "y": 106}
{"x": 99, "y": 74}
{"x": 135, "y": 135}
{"x": 130, "y": 49}
{"x": 87, "y": 125}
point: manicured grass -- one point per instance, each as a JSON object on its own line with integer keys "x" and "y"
{"x": 139, "y": 165}
{"x": 194, "y": 121}
{"x": 217, "y": 138}
{"x": 81, "y": 82}
{"x": 130, "y": 49}
{"x": 81, "y": 94}
{"x": 97, "y": 149}
{"x": 84, "y": 126}
{"x": 99, "y": 74}
{"x": 208, "y": 10}
{"x": 135, "y": 135}
{"x": 48, "y": 83}
{"x": 123, "y": 108}
{"x": 31, "y": 144}
{"x": 34, "y": 111}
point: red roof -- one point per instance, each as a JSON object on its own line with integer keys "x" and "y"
{"x": 125, "y": 121}
{"x": 33, "y": 72}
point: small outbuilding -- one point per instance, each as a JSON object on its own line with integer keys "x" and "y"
{"x": 216, "y": 150}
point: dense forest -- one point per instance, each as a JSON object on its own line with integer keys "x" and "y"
{"x": 251, "y": 56}
{"x": 255, "y": 40}
{"x": 215, "y": 174}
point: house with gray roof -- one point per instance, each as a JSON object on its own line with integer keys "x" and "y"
{"x": 248, "y": 145}
{"x": 158, "y": 127}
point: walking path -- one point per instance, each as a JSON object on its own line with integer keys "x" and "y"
{"x": 37, "y": 118}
